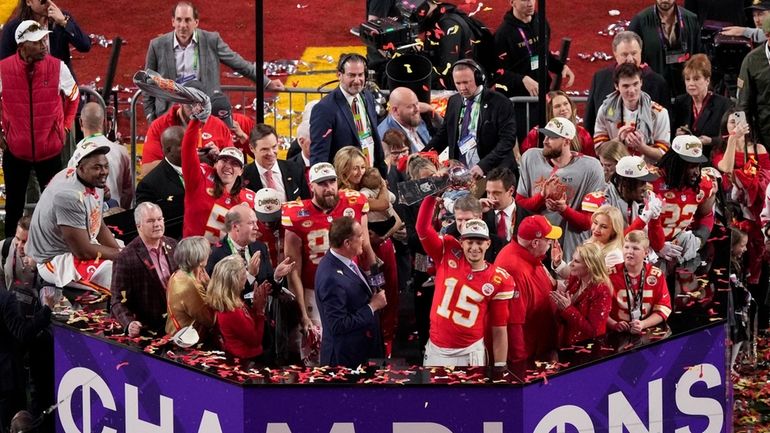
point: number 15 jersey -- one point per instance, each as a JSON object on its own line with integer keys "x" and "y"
{"x": 312, "y": 224}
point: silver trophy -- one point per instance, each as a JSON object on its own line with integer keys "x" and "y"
{"x": 413, "y": 191}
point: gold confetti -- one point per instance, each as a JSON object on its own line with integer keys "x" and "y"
{"x": 123, "y": 295}
{"x": 452, "y": 30}
{"x": 408, "y": 68}
{"x": 501, "y": 86}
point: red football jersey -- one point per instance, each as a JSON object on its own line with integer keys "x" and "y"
{"x": 655, "y": 297}
{"x": 680, "y": 205}
{"x": 458, "y": 314}
{"x": 204, "y": 215}
{"x": 312, "y": 224}
{"x": 273, "y": 238}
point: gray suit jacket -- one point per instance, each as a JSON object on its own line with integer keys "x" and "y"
{"x": 212, "y": 51}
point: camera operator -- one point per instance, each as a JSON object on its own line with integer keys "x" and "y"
{"x": 759, "y": 10}
{"x": 753, "y": 81}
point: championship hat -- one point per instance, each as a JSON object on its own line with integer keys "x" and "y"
{"x": 559, "y": 127}
{"x": 231, "y": 152}
{"x": 689, "y": 148}
{"x": 475, "y": 228}
{"x": 321, "y": 172}
{"x": 634, "y": 167}
{"x": 267, "y": 205}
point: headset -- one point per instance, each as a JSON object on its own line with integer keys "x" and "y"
{"x": 357, "y": 58}
{"x": 478, "y": 72}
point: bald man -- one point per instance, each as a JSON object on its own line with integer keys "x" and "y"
{"x": 404, "y": 114}
{"x": 119, "y": 190}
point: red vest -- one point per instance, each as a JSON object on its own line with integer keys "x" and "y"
{"x": 33, "y": 119}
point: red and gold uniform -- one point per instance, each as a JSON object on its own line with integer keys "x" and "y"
{"x": 680, "y": 205}
{"x": 655, "y": 297}
{"x": 462, "y": 297}
{"x": 204, "y": 214}
{"x": 312, "y": 224}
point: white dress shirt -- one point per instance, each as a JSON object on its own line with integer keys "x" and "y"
{"x": 277, "y": 179}
{"x": 509, "y": 212}
{"x": 187, "y": 59}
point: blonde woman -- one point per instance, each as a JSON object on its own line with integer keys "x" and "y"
{"x": 584, "y": 305}
{"x": 186, "y": 290}
{"x": 606, "y": 233}
{"x": 241, "y": 328}
{"x": 609, "y": 155}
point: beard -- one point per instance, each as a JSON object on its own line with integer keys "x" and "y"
{"x": 328, "y": 201}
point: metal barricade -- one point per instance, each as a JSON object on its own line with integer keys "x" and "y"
{"x": 529, "y": 100}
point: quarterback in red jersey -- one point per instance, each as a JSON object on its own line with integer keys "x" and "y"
{"x": 688, "y": 210}
{"x": 210, "y": 194}
{"x": 307, "y": 225}
{"x": 640, "y": 296}
{"x": 466, "y": 287}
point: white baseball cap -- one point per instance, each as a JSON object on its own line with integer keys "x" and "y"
{"x": 559, "y": 127}
{"x": 322, "y": 171}
{"x": 634, "y": 167}
{"x": 267, "y": 205}
{"x": 86, "y": 148}
{"x": 475, "y": 228}
{"x": 689, "y": 148}
{"x": 30, "y": 31}
{"x": 231, "y": 152}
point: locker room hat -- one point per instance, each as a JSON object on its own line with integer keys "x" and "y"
{"x": 634, "y": 167}
{"x": 762, "y": 5}
{"x": 267, "y": 205}
{"x": 476, "y": 229}
{"x": 221, "y": 108}
{"x": 538, "y": 227}
{"x": 231, "y": 152}
{"x": 30, "y": 31}
{"x": 689, "y": 148}
{"x": 559, "y": 127}
{"x": 86, "y": 148}
{"x": 321, "y": 172}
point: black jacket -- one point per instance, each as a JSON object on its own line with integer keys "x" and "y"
{"x": 292, "y": 176}
{"x": 709, "y": 120}
{"x": 163, "y": 186}
{"x": 449, "y": 46}
{"x": 603, "y": 84}
{"x": 222, "y": 250}
{"x": 495, "y": 132}
{"x": 16, "y": 330}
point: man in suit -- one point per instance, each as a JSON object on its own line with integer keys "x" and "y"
{"x": 467, "y": 208}
{"x": 268, "y": 172}
{"x": 348, "y": 308}
{"x": 141, "y": 272}
{"x": 189, "y": 53}
{"x": 347, "y": 117}
{"x": 501, "y": 214}
{"x": 479, "y": 128}
{"x": 164, "y": 186}
{"x": 241, "y": 239}
{"x": 627, "y": 48}
{"x": 404, "y": 115}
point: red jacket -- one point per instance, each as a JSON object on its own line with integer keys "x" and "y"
{"x": 586, "y": 317}
{"x": 240, "y": 332}
{"x": 35, "y": 116}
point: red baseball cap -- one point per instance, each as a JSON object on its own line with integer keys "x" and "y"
{"x": 538, "y": 227}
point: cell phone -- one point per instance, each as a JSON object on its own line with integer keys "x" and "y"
{"x": 740, "y": 117}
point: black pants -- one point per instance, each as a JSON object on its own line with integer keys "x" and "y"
{"x": 16, "y": 178}
{"x": 11, "y": 401}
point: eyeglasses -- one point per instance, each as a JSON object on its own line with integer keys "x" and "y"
{"x": 399, "y": 152}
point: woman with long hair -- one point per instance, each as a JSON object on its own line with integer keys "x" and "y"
{"x": 240, "y": 328}
{"x": 584, "y": 305}
{"x": 210, "y": 193}
{"x": 609, "y": 155}
{"x": 559, "y": 104}
{"x": 606, "y": 232}
{"x": 186, "y": 290}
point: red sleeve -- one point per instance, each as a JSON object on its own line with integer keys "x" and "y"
{"x": 220, "y": 133}
{"x": 534, "y": 204}
{"x": 430, "y": 240}
{"x": 594, "y": 323}
{"x": 586, "y": 142}
{"x": 662, "y": 305}
{"x": 517, "y": 350}
{"x": 764, "y": 161}
{"x": 579, "y": 220}
{"x": 70, "y": 108}
{"x": 191, "y": 171}
{"x": 152, "y": 150}
{"x": 530, "y": 141}
{"x": 656, "y": 235}
{"x": 498, "y": 313}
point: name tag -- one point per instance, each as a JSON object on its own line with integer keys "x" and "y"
{"x": 534, "y": 63}
{"x": 467, "y": 143}
{"x": 444, "y": 155}
{"x": 677, "y": 57}
{"x": 636, "y": 314}
{"x": 367, "y": 146}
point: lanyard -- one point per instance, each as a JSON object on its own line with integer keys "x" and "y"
{"x": 664, "y": 38}
{"x": 637, "y": 298}
{"x": 234, "y": 249}
{"x": 526, "y": 41}
{"x": 473, "y": 124}
{"x": 696, "y": 113}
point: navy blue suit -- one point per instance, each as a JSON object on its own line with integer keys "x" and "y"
{"x": 351, "y": 332}
{"x": 332, "y": 127}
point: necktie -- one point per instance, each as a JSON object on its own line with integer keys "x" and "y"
{"x": 355, "y": 269}
{"x": 466, "y": 118}
{"x": 502, "y": 227}
{"x": 357, "y": 115}
{"x": 242, "y": 253}
{"x": 269, "y": 179}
